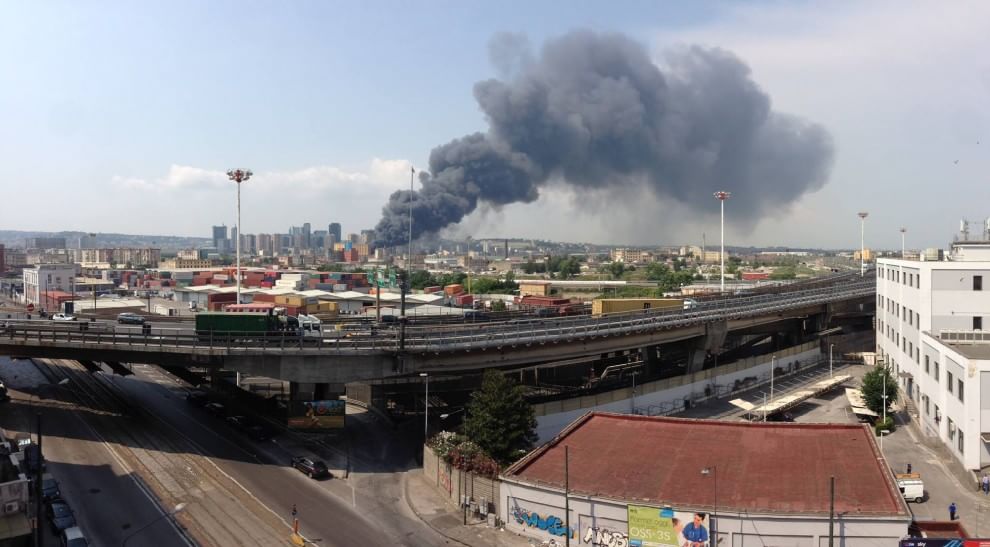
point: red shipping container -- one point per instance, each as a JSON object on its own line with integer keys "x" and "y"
{"x": 431, "y": 290}
{"x": 267, "y": 284}
{"x": 464, "y": 299}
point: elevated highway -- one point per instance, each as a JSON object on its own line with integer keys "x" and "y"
{"x": 446, "y": 348}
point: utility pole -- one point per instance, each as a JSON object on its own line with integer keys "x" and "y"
{"x": 831, "y": 511}
{"x": 567, "y": 501}
{"x": 903, "y": 231}
{"x": 412, "y": 175}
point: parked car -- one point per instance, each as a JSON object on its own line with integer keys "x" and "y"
{"x": 128, "y": 318}
{"x": 314, "y": 468}
{"x": 198, "y": 398}
{"x": 257, "y": 432}
{"x": 4, "y": 396}
{"x": 237, "y": 422}
{"x": 63, "y": 317}
{"x": 60, "y": 515}
{"x": 73, "y": 537}
{"x": 49, "y": 488}
{"x": 216, "y": 409}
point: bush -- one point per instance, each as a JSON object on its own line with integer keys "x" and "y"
{"x": 461, "y": 453}
{"x": 881, "y": 425}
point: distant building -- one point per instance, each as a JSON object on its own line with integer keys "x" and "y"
{"x": 3, "y": 259}
{"x": 14, "y": 258}
{"x": 334, "y": 230}
{"x": 711, "y": 257}
{"x": 631, "y": 256}
{"x": 220, "y": 241}
{"x": 46, "y": 278}
{"x": 46, "y": 243}
{"x": 121, "y": 255}
{"x": 188, "y": 254}
{"x": 867, "y": 255}
{"x": 186, "y": 263}
{"x": 529, "y": 287}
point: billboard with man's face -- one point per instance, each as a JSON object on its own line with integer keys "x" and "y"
{"x": 664, "y": 527}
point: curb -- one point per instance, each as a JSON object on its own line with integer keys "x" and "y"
{"x": 405, "y": 494}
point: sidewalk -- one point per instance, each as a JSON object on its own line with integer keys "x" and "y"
{"x": 447, "y": 520}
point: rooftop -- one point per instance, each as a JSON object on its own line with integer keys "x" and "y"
{"x": 761, "y": 467}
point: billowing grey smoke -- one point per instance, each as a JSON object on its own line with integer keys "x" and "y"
{"x": 594, "y": 111}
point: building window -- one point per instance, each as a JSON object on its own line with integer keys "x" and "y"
{"x": 961, "y": 441}
{"x": 927, "y": 365}
{"x": 977, "y": 323}
{"x": 952, "y": 429}
{"x": 959, "y": 390}
{"x": 910, "y": 350}
{"x": 924, "y": 399}
{"x": 948, "y": 381}
{"x": 936, "y": 371}
{"x": 977, "y": 282}
{"x": 917, "y": 355}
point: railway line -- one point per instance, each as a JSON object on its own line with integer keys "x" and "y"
{"x": 219, "y": 510}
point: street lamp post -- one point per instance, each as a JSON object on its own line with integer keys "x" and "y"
{"x": 426, "y": 408}
{"x": 412, "y": 176}
{"x": 721, "y": 197}
{"x": 862, "y": 242}
{"x": 903, "y": 231}
{"x": 713, "y": 471}
{"x": 830, "y": 346}
{"x": 176, "y": 510}
{"x": 239, "y": 176}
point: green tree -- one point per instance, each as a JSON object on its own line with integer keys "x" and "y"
{"x": 616, "y": 269}
{"x": 499, "y": 419}
{"x": 873, "y": 382}
{"x": 498, "y": 305}
{"x": 420, "y": 279}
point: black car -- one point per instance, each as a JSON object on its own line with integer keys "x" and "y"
{"x": 60, "y": 515}
{"x": 216, "y": 409}
{"x": 128, "y": 318}
{"x": 237, "y": 422}
{"x": 198, "y": 398}
{"x": 49, "y": 488}
{"x": 257, "y": 432}
{"x": 314, "y": 468}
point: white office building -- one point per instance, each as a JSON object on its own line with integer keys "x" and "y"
{"x": 45, "y": 278}
{"x": 930, "y": 325}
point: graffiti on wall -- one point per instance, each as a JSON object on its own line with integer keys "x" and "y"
{"x": 445, "y": 477}
{"x": 604, "y": 537}
{"x": 552, "y": 524}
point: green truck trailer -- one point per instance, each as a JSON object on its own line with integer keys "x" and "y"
{"x": 221, "y": 323}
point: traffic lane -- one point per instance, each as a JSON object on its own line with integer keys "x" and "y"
{"x": 107, "y": 501}
{"x": 322, "y": 515}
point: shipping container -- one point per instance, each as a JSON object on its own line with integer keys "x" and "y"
{"x": 464, "y": 299}
{"x": 453, "y": 289}
{"x": 431, "y": 290}
{"x": 617, "y": 305}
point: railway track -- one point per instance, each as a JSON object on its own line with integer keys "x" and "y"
{"x": 219, "y": 511}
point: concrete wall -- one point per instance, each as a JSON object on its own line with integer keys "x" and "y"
{"x": 553, "y": 416}
{"x": 520, "y": 502}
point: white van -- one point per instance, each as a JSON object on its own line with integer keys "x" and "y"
{"x": 73, "y": 537}
{"x": 912, "y": 489}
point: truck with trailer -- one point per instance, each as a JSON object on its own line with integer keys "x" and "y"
{"x": 619, "y": 305}
{"x": 245, "y": 323}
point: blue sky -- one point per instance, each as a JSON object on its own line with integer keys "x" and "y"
{"x": 119, "y": 116}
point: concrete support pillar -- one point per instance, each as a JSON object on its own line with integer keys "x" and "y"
{"x": 650, "y": 355}
{"x": 709, "y": 344}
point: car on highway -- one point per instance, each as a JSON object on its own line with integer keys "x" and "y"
{"x": 216, "y": 409}
{"x": 49, "y": 488}
{"x": 60, "y": 515}
{"x": 237, "y": 422}
{"x": 128, "y": 318}
{"x": 315, "y": 469}
{"x": 63, "y": 317}
{"x": 4, "y": 396}
{"x": 73, "y": 537}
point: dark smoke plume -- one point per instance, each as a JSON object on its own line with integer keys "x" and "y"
{"x": 594, "y": 111}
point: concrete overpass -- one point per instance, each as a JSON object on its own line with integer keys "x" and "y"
{"x": 460, "y": 347}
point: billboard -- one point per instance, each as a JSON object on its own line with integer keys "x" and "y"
{"x": 316, "y": 414}
{"x": 664, "y": 527}
{"x": 944, "y": 542}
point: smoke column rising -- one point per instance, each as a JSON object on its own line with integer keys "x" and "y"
{"x": 593, "y": 110}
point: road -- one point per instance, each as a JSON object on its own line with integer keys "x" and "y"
{"x": 366, "y": 509}
{"x": 109, "y": 500}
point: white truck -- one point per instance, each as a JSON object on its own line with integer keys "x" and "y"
{"x": 911, "y": 486}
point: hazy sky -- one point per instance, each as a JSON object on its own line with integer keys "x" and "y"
{"x": 122, "y": 116}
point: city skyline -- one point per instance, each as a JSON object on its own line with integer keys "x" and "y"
{"x": 331, "y": 133}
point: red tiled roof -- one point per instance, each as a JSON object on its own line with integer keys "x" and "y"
{"x": 778, "y": 467}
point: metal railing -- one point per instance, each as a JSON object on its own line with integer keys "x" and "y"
{"x": 964, "y": 336}
{"x": 437, "y": 338}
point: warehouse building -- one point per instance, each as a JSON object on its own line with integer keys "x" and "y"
{"x": 667, "y": 481}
